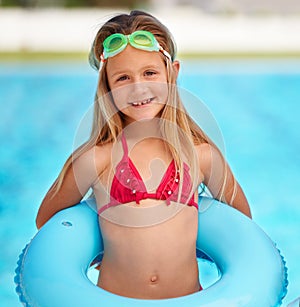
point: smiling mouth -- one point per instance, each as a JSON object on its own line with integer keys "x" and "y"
{"x": 141, "y": 102}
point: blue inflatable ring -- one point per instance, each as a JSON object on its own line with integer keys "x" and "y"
{"x": 52, "y": 269}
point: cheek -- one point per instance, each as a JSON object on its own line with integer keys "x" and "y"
{"x": 120, "y": 97}
{"x": 161, "y": 91}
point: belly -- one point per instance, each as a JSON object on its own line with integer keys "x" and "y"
{"x": 158, "y": 261}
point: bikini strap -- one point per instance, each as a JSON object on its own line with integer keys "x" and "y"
{"x": 124, "y": 144}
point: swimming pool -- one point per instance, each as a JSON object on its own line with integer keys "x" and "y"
{"x": 255, "y": 102}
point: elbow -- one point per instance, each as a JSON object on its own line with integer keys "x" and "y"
{"x": 41, "y": 219}
{"x": 247, "y": 212}
{"x": 38, "y": 222}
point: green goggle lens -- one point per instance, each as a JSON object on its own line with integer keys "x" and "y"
{"x": 143, "y": 40}
{"x": 114, "y": 44}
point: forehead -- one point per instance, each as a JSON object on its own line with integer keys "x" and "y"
{"x": 131, "y": 58}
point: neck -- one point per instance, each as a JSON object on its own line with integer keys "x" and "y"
{"x": 143, "y": 129}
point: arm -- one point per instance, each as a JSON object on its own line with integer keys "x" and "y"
{"x": 214, "y": 167}
{"x": 77, "y": 181}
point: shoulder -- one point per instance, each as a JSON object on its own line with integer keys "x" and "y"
{"x": 94, "y": 160}
{"x": 205, "y": 152}
{"x": 209, "y": 157}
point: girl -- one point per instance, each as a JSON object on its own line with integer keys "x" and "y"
{"x": 144, "y": 161}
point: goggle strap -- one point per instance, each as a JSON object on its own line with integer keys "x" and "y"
{"x": 102, "y": 58}
{"x": 165, "y": 53}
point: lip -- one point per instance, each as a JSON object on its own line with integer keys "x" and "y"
{"x": 141, "y": 103}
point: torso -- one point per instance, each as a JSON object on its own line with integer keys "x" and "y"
{"x": 154, "y": 261}
{"x": 151, "y": 262}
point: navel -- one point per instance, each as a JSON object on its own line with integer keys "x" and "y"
{"x": 154, "y": 279}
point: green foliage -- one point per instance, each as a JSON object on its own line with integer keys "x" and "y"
{"x": 104, "y": 3}
{"x": 11, "y": 3}
{"x": 74, "y": 3}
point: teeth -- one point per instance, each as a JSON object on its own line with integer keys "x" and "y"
{"x": 141, "y": 103}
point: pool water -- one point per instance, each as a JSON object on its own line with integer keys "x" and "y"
{"x": 256, "y": 105}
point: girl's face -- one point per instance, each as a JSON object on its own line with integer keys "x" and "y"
{"x": 138, "y": 82}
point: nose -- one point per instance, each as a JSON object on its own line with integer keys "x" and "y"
{"x": 138, "y": 88}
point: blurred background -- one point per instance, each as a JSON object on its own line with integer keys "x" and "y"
{"x": 241, "y": 58}
{"x": 209, "y": 6}
{"x": 218, "y": 26}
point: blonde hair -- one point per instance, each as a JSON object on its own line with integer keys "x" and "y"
{"x": 108, "y": 122}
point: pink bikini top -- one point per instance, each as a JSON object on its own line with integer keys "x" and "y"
{"x": 127, "y": 184}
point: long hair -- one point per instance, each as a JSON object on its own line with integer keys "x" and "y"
{"x": 108, "y": 122}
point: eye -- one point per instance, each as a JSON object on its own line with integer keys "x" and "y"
{"x": 123, "y": 78}
{"x": 150, "y": 73}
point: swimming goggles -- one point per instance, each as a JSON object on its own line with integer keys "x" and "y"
{"x": 140, "y": 39}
